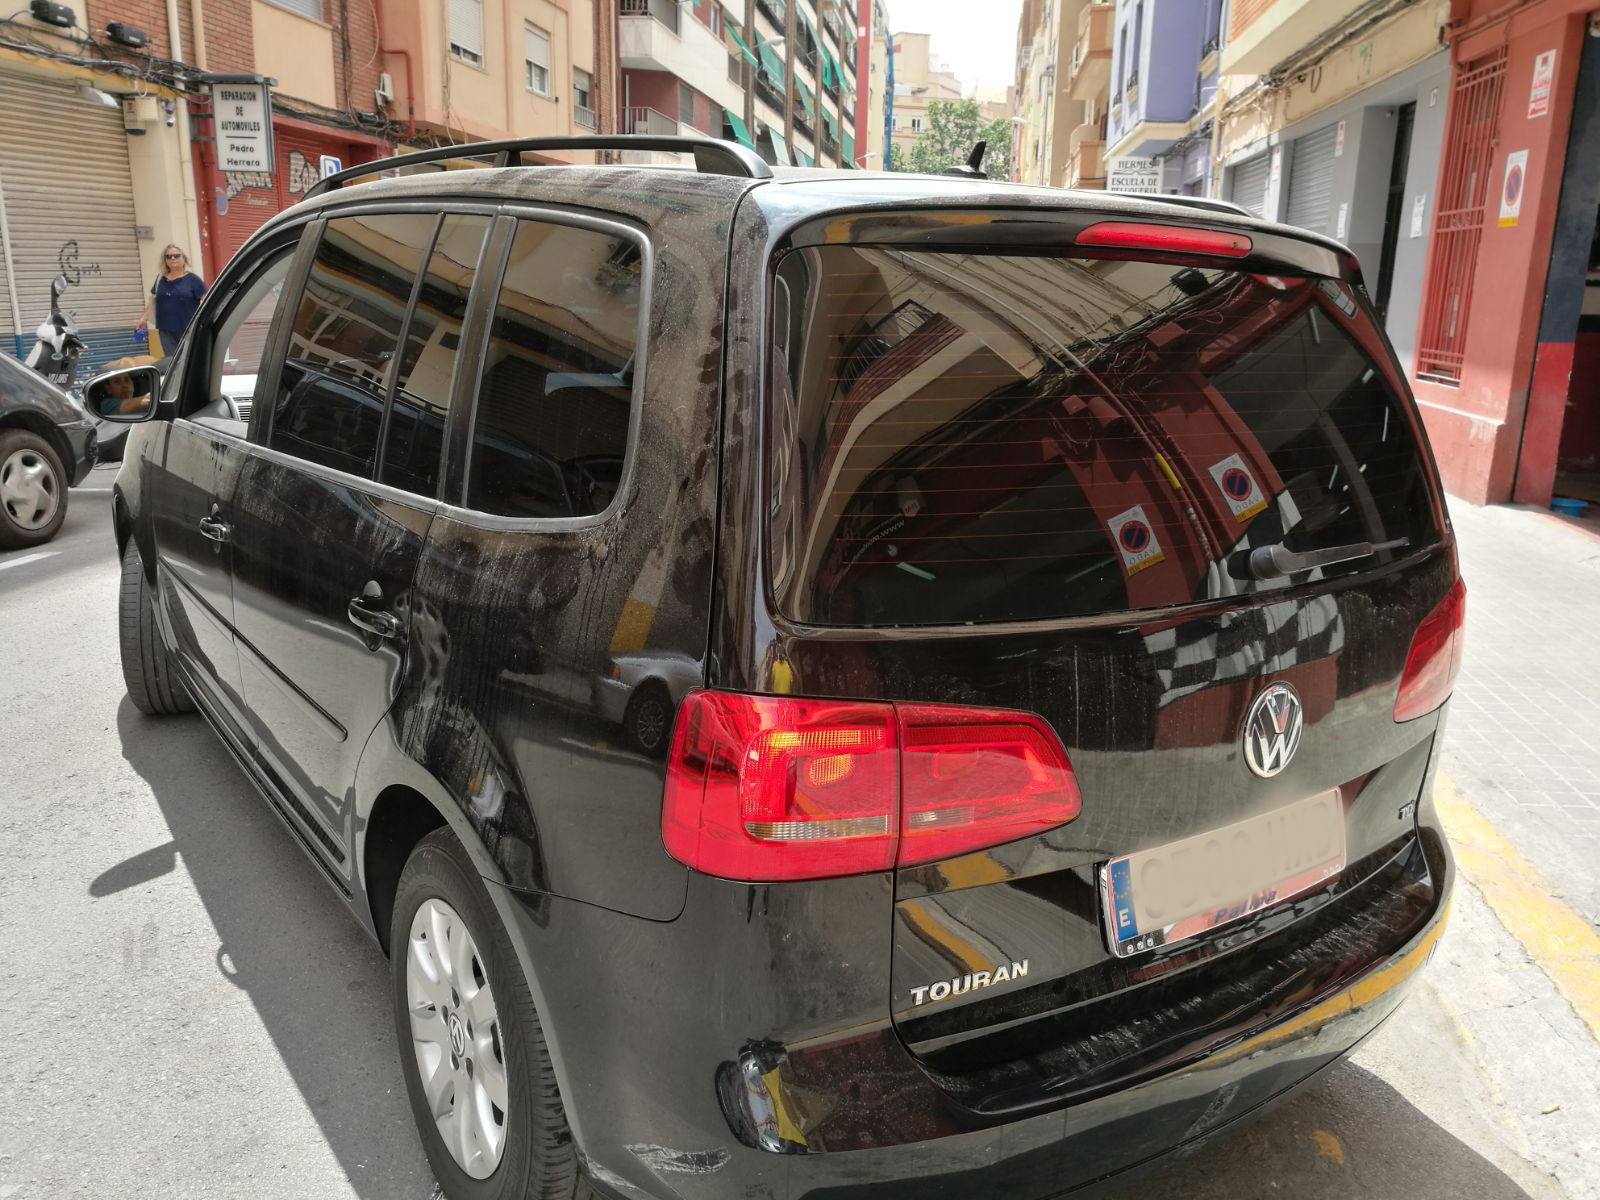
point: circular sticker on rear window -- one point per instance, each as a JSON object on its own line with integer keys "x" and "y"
{"x": 1136, "y": 539}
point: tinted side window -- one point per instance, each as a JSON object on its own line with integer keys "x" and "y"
{"x": 415, "y": 437}
{"x": 236, "y": 342}
{"x": 329, "y": 407}
{"x": 552, "y": 419}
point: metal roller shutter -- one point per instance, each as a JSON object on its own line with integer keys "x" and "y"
{"x": 1249, "y": 184}
{"x": 1311, "y": 180}
{"x": 69, "y": 210}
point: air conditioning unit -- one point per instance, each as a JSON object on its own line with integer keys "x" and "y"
{"x": 385, "y": 90}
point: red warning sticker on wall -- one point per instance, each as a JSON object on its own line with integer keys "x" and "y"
{"x": 1136, "y": 539}
{"x": 1238, "y": 487}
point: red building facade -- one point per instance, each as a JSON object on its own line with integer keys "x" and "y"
{"x": 1503, "y": 309}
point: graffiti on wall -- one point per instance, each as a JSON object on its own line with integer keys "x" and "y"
{"x": 71, "y": 265}
{"x": 301, "y": 175}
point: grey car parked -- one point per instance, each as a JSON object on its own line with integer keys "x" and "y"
{"x": 47, "y": 444}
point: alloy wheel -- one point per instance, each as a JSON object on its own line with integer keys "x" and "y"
{"x": 29, "y": 489}
{"x": 650, "y": 723}
{"x": 456, "y": 1036}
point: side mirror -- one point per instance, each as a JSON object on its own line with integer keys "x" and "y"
{"x": 127, "y": 395}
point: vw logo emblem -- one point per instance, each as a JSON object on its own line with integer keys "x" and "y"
{"x": 1272, "y": 730}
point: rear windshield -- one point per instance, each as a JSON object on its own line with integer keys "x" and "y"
{"x": 966, "y": 438}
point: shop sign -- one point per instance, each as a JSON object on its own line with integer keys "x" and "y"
{"x": 242, "y": 116}
{"x": 1511, "y": 191}
{"x": 1139, "y": 175}
{"x": 1544, "y": 74}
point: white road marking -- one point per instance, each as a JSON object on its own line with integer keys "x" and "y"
{"x": 27, "y": 558}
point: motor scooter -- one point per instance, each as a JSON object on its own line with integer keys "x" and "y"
{"x": 55, "y": 354}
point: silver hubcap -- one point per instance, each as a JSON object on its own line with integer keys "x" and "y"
{"x": 651, "y": 723}
{"x": 455, "y": 1033}
{"x": 29, "y": 489}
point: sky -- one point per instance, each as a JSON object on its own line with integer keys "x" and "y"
{"x": 979, "y": 41}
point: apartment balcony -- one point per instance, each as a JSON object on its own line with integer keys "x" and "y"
{"x": 1090, "y": 72}
{"x": 658, "y": 35}
{"x": 1262, "y": 33}
{"x": 649, "y": 120}
{"x": 1086, "y": 148}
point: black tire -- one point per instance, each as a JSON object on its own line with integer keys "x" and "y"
{"x": 647, "y": 721}
{"x": 538, "y": 1161}
{"x": 31, "y": 450}
{"x": 147, "y": 671}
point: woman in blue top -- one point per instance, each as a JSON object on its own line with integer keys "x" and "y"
{"x": 174, "y": 296}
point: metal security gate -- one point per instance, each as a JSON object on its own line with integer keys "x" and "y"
{"x": 1458, "y": 221}
{"x": 1311, "y": 180}
{"x": 1248, "y": 187}
{"x": 68, "y": 198}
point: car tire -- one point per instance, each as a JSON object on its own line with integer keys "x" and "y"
{"x": 33, "y": 490}
{"x": 441, "y": 902}
{"x": 647, "y": 720}
{"x": 152, "y": 684}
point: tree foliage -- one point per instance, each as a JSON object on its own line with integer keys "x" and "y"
{"x": 950, "y": 130}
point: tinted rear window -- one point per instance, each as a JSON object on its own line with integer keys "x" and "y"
{"x": 967, "y": 438}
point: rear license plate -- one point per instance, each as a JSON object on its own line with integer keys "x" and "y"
{"x": 1161, "y": 896}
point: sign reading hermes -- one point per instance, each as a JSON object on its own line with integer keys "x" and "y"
{"x": 242, "y": 116}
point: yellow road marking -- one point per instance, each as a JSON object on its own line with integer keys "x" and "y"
{"x": 1558, "y": 940}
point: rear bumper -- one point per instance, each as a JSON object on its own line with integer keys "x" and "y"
{"x": 647, "y": 1026}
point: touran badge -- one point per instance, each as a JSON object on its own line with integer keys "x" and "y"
{"x": 1272, "y": 730}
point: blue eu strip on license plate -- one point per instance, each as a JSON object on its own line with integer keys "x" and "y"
{"x": 1166, "y": 894}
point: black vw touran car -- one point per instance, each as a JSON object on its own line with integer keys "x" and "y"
{"x": 1046, "y": 601}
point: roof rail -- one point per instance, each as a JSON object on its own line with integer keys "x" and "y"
{"x": 711, "y": 155}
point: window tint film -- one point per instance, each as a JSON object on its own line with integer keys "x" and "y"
{"x": 329, "y": 408}
{"x": 556, "y": 395}
{"x": 240, "y": 340}
{"x": 962, "y": 438}
{"x": 414, "y": 440}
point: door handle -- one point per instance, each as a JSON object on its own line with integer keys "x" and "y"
{"x": 366, "y": 612}
{"x": 216, "y": 530}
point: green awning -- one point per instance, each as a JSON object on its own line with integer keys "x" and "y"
{"x": 771, "y": 64}
{"x": 780, "y": 149}
{"x": 740, "y": 133}
{"x": 807, "y": 100}
{"x": 805, "y": 159}
{"x": 833, "y": 126}
{"x": 849, "y": 149}
{"x": 830, "y": 69}
{"x": 734, "y": 34}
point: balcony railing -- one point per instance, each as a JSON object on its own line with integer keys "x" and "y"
{"x": 665, "y": 11}
{"x": 583, "y": 118}
{"x": 649, "y": 120}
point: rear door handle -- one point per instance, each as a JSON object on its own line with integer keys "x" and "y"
{"x": 216, "y": 530}
{"x": 366, "y": 612}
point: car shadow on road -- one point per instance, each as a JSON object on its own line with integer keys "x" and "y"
{"x": 319, "y": 985}
{"x": 1348, "y": 1134}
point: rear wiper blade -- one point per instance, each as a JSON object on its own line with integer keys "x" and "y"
{"x": 1277, "y": 560}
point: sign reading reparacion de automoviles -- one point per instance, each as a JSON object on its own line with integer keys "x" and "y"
{"x": 242, "y": 116}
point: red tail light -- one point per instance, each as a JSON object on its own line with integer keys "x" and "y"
{"x": 771, "y": 788}
{"x": 1174, "y": 239}
{"x": 977, "y": 777}
{"x": 1434, "y": 658}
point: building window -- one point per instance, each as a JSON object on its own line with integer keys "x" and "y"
{"x": 536, "y": 59}
{"x": 466, "y": 31}
{"x": 582, "y": 98}
{"x": 685, "y": 104}
{"x": 916, "y": 124}
{"x": 306, "y": 8}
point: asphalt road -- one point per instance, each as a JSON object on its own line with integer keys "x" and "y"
{"x": 187, "y": 1012}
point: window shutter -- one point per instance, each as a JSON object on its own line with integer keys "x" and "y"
{"x": 466, "y": 25}
{"x": 536, "y": 51}
{"x": 306, "y": 8}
